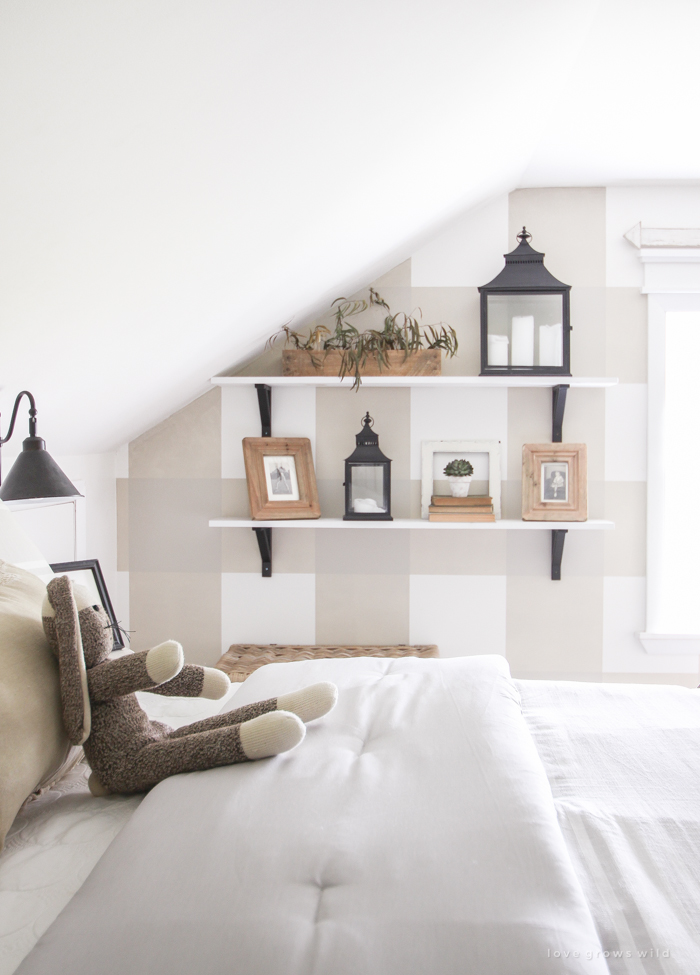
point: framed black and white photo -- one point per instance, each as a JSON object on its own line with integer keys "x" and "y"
{"x": 555, "y": 482}
{"x": 87, "y": 573}
{"x": 280, "y": 476}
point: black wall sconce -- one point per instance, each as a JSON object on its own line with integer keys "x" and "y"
{"x": 35, "y": 475}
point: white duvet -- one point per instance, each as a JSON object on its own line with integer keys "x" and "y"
{"x": 623, "y": 761}
{"x": 413, "y": 831}
{"x": 53, "y": 844}
{"x": 57, "y": 839}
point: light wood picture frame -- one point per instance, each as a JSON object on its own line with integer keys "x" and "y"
{"x": 431, "y": 447}
{"x": 555, "y": 482}
{"x": 281, "y": 479}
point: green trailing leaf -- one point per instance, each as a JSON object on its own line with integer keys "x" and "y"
{"x": 307, "y": 343}
{"x": 458, "y": 468}
{"x": 376, "y": 299}
{"x": 400, "y": 332}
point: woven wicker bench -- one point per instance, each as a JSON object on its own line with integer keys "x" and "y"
{"x": 241, "y": 659}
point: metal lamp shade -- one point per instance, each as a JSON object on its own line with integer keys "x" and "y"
{"x": 367, "y": 479}
{"x": 35, "y": 475}
{"x": 525, "y": 319}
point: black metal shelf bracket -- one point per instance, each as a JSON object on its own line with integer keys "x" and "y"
{"x": 558, "y": 535}
{"x": 265, "y": 404}
{"x": 558, "y": 406}
{"x": 264, "y": 537}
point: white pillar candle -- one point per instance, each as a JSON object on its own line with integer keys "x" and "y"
{"x": 522, "y": 349}
{"x": 498, "y": 350}
{"x": 551, "y": 345}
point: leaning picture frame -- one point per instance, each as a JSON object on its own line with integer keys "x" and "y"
{"x": 555, "y": 482}
{"x": 452, "y": 447}
{"x": 280, "y": 477}
{"x": 88, "y": 573}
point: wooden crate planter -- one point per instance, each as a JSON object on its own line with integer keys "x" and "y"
{"x": 241, "y": 659}
{"x": 424, "y": 362}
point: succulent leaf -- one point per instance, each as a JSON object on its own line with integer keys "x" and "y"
{"x": 458, "y": 468}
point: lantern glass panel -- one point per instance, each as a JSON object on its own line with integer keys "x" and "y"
{"x": 367, "y": 485}
{"x": 525, "y": 330}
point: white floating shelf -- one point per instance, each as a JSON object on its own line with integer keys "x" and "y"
{"x": 482, "y": 382}
{"x": 671, "y": 643}
{"x": 413, "y": 523}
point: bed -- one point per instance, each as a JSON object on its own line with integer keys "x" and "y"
{"x": 445, "y": 818}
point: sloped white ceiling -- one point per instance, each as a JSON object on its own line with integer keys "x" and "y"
{"x": 179, "y": 177}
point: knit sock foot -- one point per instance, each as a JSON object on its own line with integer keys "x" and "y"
{"x": 165, "y": 661}
{"x": 215, "y": 684}
{"x": 270, "y": 734}
{"x": 96, "y": 787}
{"x": 310, "y": 702}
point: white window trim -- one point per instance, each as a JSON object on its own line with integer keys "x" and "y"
{"x": 672, "y": 282}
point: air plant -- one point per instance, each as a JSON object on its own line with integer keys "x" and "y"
{"x": 400, "y": 332}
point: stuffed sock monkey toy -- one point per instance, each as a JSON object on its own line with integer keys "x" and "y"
{"x": 126, "y": 751}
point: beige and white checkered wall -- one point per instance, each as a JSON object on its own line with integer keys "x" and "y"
{"x": 469, "y": 592}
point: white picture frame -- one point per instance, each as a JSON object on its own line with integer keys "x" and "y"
{"x": 431, "y": 447}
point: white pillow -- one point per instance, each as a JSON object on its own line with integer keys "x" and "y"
{"x": 17, "y": 547}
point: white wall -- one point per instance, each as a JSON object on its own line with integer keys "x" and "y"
{"x": 180, "y": 178}
{"x": 86, "y": 530}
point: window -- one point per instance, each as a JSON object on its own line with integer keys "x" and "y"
{"x": 679, "y": 599}
{"x": 673, "y": 516}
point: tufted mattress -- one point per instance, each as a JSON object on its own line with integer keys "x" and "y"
{"x": 414, "y": 831}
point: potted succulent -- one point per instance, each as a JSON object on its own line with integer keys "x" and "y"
{"x": 402, "y": 347}
{"x": 459, "y": 473}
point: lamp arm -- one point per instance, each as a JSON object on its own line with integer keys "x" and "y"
{"x": 32, "y": 416}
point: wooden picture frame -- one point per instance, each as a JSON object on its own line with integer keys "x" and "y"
{"x": 281, "y": 479}
{"x": 555, "y": 482}
{"x": 88, "y": 573}
{"x": 490, "y": 447}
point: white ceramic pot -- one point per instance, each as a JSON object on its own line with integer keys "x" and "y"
{"x": 459, "y": 486}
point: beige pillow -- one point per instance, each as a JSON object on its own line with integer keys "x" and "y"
{"x": 33, "y": 741}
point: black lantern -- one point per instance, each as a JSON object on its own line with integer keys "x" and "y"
{"x": 525, "y": 318}
{"x": 367, "y": 479}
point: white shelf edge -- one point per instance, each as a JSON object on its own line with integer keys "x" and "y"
{"x": 671, "y": 643}
{"x": 595, "y": 382}
{"x": 416, "y": 523}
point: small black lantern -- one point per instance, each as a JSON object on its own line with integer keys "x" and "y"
{"x": 525, "y": 318}
{"x": 367, "y": 479}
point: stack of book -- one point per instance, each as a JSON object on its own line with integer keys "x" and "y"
{"x": 461, "y": 509}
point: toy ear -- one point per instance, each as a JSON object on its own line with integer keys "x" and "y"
{"x": 71, "y": 662}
